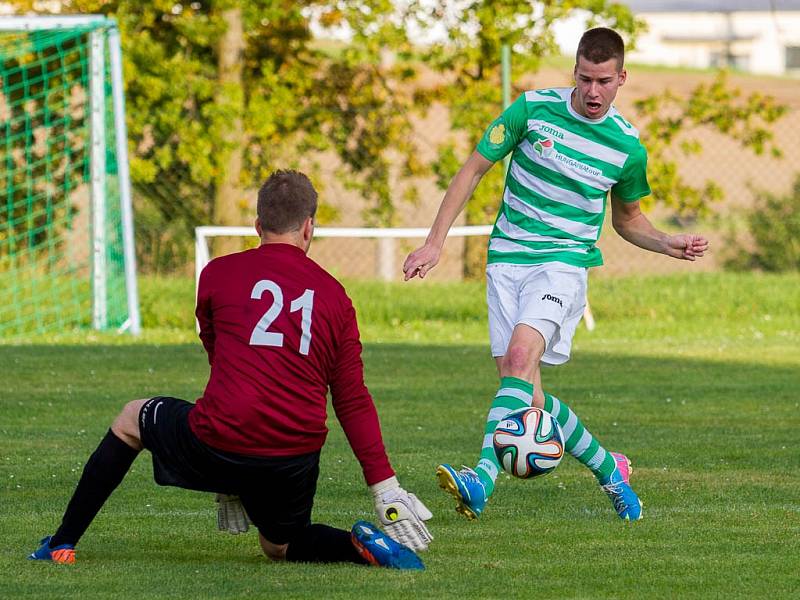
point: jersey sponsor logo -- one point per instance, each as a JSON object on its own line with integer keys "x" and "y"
{"x": 553, "y": 299}
{"x": 551, "y": 130}
{"x": 545, "y": 148}
{"x": 497, "y": 135}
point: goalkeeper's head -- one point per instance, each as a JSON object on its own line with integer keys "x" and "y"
{"x": 287, "y": 203}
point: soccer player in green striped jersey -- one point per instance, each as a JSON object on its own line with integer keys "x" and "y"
{"x": 570, "y": 148}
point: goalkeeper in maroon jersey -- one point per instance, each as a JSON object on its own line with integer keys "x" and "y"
{"x": 280, "y": 332}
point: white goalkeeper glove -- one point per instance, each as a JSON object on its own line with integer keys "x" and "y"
{"x": 231, "y": 516}
{"x": 402, "y": 514}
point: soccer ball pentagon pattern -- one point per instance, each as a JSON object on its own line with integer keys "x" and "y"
{"x": 529, "y": 442}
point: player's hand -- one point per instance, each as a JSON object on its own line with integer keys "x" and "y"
{"x": 420, "y": 261}
{"x": 686, "y": 246}
{"x": 231, "y": 516}
{"x": 402, "y": 514}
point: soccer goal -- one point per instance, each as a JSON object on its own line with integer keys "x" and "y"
{"x": 362, "y": 252}
{"x": 66, "y": 226}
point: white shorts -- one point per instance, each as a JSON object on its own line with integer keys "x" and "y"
{"x": 549, "y": 297}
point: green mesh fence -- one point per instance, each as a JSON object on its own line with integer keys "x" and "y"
{"x": 59, "y": 270}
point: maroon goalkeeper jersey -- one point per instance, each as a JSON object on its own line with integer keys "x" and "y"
{"x": 280, "y": 332}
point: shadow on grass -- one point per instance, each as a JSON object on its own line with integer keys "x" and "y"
{"x": 713, "y": 444}
{"x": 428, "y": 394}
{"x": 437, "y": 374}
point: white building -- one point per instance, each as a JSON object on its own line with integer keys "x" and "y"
{"x": 759, "y": 36}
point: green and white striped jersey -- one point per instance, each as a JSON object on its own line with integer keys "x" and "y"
{"x": 562, "y": 167}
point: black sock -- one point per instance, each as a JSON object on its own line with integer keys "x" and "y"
{"x": 103, "y": 472}
{"x": 321, "y": 543}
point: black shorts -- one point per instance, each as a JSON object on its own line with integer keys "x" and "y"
{"x": 277, "y": 492}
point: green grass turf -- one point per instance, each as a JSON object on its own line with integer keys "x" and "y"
{"x": 696, "y": 379}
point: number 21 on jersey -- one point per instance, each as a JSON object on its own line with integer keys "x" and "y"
{"x": 262, "y": 336}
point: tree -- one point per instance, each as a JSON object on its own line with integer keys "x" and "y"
{"x": 717, "y": 106}
{"x": 215, "y": 84}
{"x": 204, "y": 126}
{"x": 229, "y": 57}
{"x": 771, "y": 241}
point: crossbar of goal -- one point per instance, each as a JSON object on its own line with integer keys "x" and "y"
{"x": 386, "y": 237}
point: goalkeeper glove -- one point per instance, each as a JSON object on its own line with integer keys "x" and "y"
{"x": 402, "y": 514}
{"x": 231, "y": 516}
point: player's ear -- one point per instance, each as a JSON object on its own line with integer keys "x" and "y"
{"x": 623, "y": 76}
{"x": 308, "y": 229}
{"x": 258, "y": 227}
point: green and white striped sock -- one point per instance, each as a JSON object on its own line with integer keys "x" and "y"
{"x": 578, "y": 441}
{"x": 514, "y": 393}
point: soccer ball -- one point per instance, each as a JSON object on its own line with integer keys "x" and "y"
{"x": 529, "y": 442}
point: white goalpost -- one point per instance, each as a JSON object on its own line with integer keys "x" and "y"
{"x": 386, "y": 239}
{"x": 67, "y": 255}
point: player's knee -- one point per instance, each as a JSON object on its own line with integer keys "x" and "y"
{"x": 126, "y": 425}
{"x": 519, "y": 361}
{"x": 275, "y": 552}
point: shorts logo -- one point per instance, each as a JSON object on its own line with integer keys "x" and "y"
{"x": 497, "y": 135}
{"x": 553, "y": 299}
{"x": 143, "y": 414}
{"x": 155, "y": 412}
{"x": 146, "y": 409}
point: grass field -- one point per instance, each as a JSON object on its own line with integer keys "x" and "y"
{"x": 695, "y": 378}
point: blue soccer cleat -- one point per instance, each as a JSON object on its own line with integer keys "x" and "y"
{"x": 63, "y": 554}
{"x": 380, "y": 550}
{"x": 465, "y": 487}
{"x": 618, "y": 489}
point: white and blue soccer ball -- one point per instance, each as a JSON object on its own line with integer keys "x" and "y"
{"x": 529, "y": 442}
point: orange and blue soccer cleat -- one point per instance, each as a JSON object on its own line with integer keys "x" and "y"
{"x": 380, "y": 550}
{"x": 63, "y": 554}
{"x": 617, "y": 488}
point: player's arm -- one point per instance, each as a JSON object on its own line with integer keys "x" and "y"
{"x": 500, "y": 138}
{"x": 401, "y": 513}
{"x": 203, "y": 312}
{"x": 633, "y": 226}
{"x": 455, "y": 198}
{"x": 353, "y": 404}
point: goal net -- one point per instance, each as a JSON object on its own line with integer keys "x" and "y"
{"x": 66, "y": 232}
